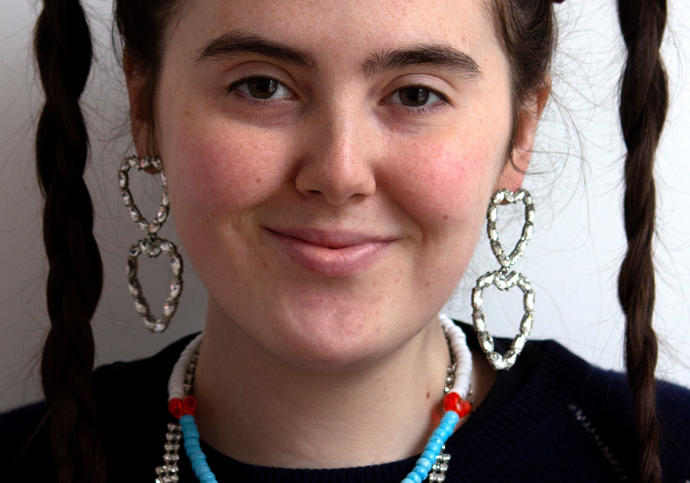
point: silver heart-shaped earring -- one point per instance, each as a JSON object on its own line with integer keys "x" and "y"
{"x": 504, "y": 279}
{"x": 152, "y": 245}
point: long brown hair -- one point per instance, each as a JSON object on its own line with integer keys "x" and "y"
{"x": 75, "y": 277}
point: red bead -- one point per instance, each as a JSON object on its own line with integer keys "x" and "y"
{"x": 450, "y": 401}
{"x": 453, "y": 402}
{"x": 175, "y": 407}
{"x": 465, "y": 408}
{"x": 189, "y": 405}
{"x": 179, "y": 407}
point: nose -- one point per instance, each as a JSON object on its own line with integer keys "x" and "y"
{"x": 338, "y": 161}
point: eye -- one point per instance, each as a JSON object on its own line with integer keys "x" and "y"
{"x": 261, "y": 88}
{"x": 416, "y": 96}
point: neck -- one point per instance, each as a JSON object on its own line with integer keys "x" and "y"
{"x": 262, "y": 411}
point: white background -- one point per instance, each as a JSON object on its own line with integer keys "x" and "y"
{"x": 576, "y": 180}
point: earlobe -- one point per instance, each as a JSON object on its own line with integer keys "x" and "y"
{"x": 137, "y": 87}
{"x": 527, "y": 121}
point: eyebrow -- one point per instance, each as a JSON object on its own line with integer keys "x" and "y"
{"x": 425, "y": 54}
{"x": 231, "y": 43}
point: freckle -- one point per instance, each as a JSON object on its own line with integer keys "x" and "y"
{"x": 258, "y": 180}
{"x": 445, "y": 217}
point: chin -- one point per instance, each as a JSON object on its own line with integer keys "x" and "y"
{"x": 332, "y": 342}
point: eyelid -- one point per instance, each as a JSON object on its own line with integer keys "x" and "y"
{"x": 234, "y": 87}
{"x": 431, "y": 90}
{"x": 438, "y": 84}
{"x": 422, "y": 109}
{"x": 244, "y": 69}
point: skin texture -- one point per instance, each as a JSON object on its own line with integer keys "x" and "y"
{"x": 295, "y": 361}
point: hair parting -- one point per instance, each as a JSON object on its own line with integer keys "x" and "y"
{"x": 62, "y": 45}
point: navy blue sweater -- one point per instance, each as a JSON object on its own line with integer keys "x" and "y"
{"x": 553, "y": 417}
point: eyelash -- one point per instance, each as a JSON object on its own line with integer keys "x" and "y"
{"x": 234, "y": 88}
{"x": 423, "y": 109}
{"x": 417, "y": 110}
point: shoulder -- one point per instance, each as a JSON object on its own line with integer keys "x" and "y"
{"x": 607, "y": 389}
{"x": 601, "y": 403}
{"x": 564, "y": 420}
{"x": 131, "y": 403}
{"x": 128, "y": 383}
{"x": 23, "y": 443}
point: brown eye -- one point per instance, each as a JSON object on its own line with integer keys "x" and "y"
{"x": 262, "y": 87}
{"x": 414, "y": 96}
{"x": 417, "y": 98}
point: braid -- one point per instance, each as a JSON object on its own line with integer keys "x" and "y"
{"x": 63, "y": 50}
{"x": 643, "y": 105}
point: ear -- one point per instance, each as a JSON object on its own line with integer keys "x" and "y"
{"x": 525, "y": 131}
{"x": 139, "y": 111}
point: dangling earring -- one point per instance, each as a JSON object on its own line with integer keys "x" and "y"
{"x": 504, "y": 279}
{"x": 152, "y": 244}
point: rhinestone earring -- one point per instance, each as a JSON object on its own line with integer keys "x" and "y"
{"x": 152, "y": 245}
{"x": 504, "y": 279}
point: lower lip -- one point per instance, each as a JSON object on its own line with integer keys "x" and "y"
{"x": 332, "y": 262}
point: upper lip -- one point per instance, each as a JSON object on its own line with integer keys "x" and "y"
{"x": 331, "y": 238}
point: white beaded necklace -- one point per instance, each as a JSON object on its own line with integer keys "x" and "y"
{"x": 433, "y": 464}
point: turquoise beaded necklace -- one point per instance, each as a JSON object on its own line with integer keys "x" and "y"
{"x": 432, "y": 462}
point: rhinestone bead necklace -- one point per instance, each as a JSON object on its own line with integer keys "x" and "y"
{"x": 433, "y": 462}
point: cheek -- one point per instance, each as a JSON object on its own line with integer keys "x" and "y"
{"x": 213, "y": 167}
{"x": 443, "y": 184}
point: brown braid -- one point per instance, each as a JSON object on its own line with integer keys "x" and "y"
{"x": 63, "y": 50}
{"x": 643, "y": 105}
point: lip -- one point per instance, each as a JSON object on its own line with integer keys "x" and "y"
{"x": 332, "y": 253}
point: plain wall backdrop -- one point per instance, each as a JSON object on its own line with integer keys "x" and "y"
{"x": 575, "y": 179}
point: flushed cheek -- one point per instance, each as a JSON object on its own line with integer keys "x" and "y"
{"x": 220, "y": 168}
{"x": 444, "y": 185}
{"x": 445, "y": 193}
{"x": 218, "y": 176}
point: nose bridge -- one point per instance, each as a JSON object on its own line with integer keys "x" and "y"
{"x": 343, "y": 144}
{"x": 337, "y": 164}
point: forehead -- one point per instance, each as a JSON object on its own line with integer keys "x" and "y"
{"x": 338, "y": 30}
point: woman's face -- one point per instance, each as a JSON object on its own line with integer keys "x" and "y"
{"x": 330, "y": 163}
